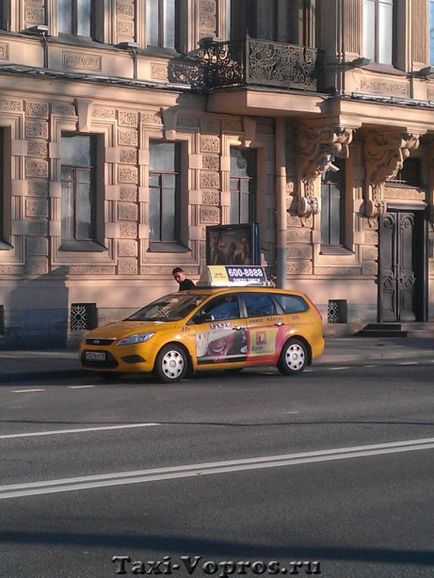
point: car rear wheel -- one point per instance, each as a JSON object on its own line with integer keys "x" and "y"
{"x": 171, "y": 364}
{"x": 293, "y": 358}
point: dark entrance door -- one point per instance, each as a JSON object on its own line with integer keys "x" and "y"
{"x": 402, "y": 266}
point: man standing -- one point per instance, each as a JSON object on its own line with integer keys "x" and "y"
{"x": 184, "y": 283}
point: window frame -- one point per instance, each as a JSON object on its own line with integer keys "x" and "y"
{"x": 161, "y": 26}
{"x": 74, "y": 22}
{"x": 380, "y": 34}
{"x": 6, "y": 187}
{"x": 164, "y": 245}
{"x": 96, "y": 243}
{"x": 252, "y": 194}
{"x": 339, "y": 183}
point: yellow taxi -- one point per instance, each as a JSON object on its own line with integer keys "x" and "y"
{"x": 225, "y": 328}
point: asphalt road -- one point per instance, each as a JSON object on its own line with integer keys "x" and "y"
{"x": 334, "y": 467}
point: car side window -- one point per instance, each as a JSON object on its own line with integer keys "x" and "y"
{"x": 291, "y": 303}
{"x": 222, "y": 307}
{"x": 259, "y": 304}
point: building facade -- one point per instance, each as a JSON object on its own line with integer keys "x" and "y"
{"x": 128, "y": 126}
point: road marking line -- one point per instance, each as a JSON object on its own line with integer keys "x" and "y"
{"x": 338, "y": 368}
{"x": 78, "y": 430}
{"x": 210, "y": 468}
{"x": 80, "y": 386}
{"x": 407, "y": 363}
{"x": 27, "y": 390}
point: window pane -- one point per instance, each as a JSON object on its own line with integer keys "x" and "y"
{"x": 152, "y": 23}
{"x": 225, "y": 307}
{"x": 325, "y": 214}
{"x": 83, "y": 207}
{"x": 154, "y": 213}
{"x": 168, "y": 209}
{"x": 76, "y": 150}
{"x": 67, "y": 204}
{"x": 369, "y": 29}
{"x": 385, "y": 31}
{"x": 83, "y": 17}
{"x": 64, "y": 16}
{"x": 335, "y": 215}
{"x": 431, "y": 30}
{"x": 162, "y": 157}
{"x": 291, "y": 303}
{"x": 169, "y": 24}
{"x": 259, "y": 304}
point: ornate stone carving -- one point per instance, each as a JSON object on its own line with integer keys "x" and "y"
{"x": 36, "y": 168}
{"x": 393, "y": 192}
{"x": 385, "y": 152}
{"x": 36, "y": 208}
{"x": 211, "y": 162}
{"x": 316, "y": 149}
{"x": 36, "y": 128}
{"x": 389, "y": 88}
{"x": 4, "y": 51}
{"x": 211, "y": 198}
{"x": 63, "y": 109}
{"x": 128, "y": 194}
{"x": 128, "y": 118}
{"x": 38, "y": 188}
{"x": 7, "y": 105}
{"x": 125, "y": 8}
{"x": 299, "y": 268}
{"x": 127, "y": 266}
{"x": 127, "y": 137}
{"x": 127, "y": 212}
{"x": 209, "y": 180}
{"x": 299, "y": 251}
{"x": 103, "y": 112}
{"x": 37, "y": 109}
{"x": 79, "y": 61}
{"x": 128, "y": 230}
{"x": 207, "y": 18}
{"x": 37, "y": 148}
{"x": 158, "y": 71}
{"x": 127, "y": 248}
{"x": 209, "y": 214}
{"x": 127, "y": 174}
{"x": 128, "y": 156}
{"x": 34, "y": 14}
{"x": 209, "y": 144}
{"x": 91, "y": 270}
{"x": 152, "y": 118}
{"x": 36, "y": 266}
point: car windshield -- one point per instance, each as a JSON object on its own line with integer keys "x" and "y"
{"x": 171, "y": 307}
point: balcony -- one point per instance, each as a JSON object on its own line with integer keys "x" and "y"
{"x": 248, "y": 63}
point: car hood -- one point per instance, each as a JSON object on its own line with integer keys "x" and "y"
{"x": 120, "y": 329}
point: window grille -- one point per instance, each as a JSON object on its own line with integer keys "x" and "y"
{"x": 337, "y": 311}
{"x": 83, "y": 316}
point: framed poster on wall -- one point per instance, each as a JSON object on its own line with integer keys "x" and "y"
{"x": 233, "y": 245}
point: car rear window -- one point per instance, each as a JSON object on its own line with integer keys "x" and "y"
{"x": 291, "y": 303}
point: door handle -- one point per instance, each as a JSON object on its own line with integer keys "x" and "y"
{"x": 237, "y": 327}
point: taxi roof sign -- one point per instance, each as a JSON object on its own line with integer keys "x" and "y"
{"x": 233, "y": 275}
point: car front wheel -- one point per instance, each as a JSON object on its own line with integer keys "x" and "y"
{"x": 293, "y": 358}
{"x": 171, "y": 364}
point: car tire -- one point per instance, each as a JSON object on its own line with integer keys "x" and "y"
{"x": 293, "y": 357}
{"x": 171, "y": 364}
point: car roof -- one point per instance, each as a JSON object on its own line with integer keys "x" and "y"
{"x": 246, "y": 289}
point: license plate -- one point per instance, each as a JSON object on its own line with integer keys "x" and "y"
{"x": 95, "y": 355}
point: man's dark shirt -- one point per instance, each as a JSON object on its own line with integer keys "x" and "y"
{"x": 186, "y": 284}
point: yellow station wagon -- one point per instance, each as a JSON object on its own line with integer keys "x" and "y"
{"x": 210, "y": 328}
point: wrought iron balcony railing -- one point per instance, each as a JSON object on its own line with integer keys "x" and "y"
{"x": 251, "y": 62}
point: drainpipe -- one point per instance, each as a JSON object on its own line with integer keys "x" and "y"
{"x": 281, "y": 213}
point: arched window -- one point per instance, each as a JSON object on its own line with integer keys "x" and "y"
{"x": 378, "y": 30}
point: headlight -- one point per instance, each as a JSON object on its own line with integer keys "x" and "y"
{"x": 137, "y": 338}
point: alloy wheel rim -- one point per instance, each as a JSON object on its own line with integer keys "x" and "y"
{"x": 173, "y": 364}
{"x": 295, "y": 357}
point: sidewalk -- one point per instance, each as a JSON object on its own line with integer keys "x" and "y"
{"x": 338, "y": 351}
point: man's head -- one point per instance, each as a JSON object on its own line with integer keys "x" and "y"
{"x": 178, "y": 274}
